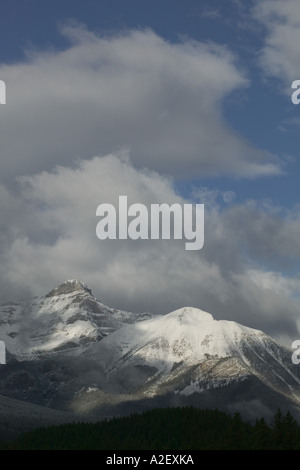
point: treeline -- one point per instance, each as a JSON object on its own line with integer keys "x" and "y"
{"x": 167, "y": 429}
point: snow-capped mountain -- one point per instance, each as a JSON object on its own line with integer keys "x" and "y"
{"x": 70, "y": 352}
{"x": 188, "y": 352}
{"x": 67, "y": 317}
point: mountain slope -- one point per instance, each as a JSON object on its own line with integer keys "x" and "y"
{"x": 69, "y": 316}
{"x": 68, "y": 351}
{"x": 187, "y": 352}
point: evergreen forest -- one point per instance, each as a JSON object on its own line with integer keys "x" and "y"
{"x": 167, "y": 429}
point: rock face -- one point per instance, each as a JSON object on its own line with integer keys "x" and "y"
{"x": 69, "y": 316}
{"x": 69, "y": 287}
{"x": 70, "y": 352}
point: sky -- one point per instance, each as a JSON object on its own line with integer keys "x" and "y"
{"x": 162, "y": 101}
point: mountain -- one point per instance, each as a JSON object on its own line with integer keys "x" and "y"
{"x": 69, "y": 352}
{"x": 187, "y": 354}
{"x": 69, "y": 316}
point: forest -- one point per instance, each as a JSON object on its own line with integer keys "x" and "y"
{"x": 167, "y": 429}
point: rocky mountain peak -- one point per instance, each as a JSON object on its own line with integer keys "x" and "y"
{"x": 191, "y": 315}
{"x": 67, "y": 287}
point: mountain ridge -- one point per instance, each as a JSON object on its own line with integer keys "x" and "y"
{"x": 67, "y": 317}
{"x": 191, "y": 339}
{"x": 78, "y": 355}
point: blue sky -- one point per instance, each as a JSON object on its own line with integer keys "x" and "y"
{"x": 173, "y": 100}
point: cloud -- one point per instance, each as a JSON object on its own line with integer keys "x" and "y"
{"x": 56, "y": 240}
{"x": 270, "y": 233}
{"x": 280, "y": 53}
{"x": 210, "y": 13}
{"x": 134, "y": 90}
{"x": 129, "y": 114}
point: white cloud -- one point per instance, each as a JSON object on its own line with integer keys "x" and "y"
{"x": 133, "y": 90}
{"x": 163, "y": 102}
{"x": 280, "y": 52}
{"x": 210, "y": 13}
{"x": 56, "y": 240}
{"x": 274, "y": 281}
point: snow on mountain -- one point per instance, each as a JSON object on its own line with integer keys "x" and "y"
{"x": 75, "y": 353}
{"x": 69, "y": 316}
{"x": 187, "y": 334}
{"x": 187, "y": 351}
